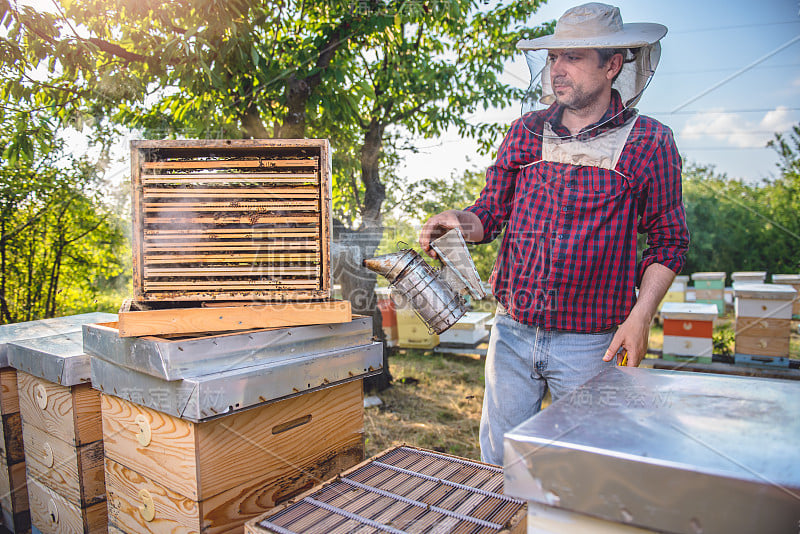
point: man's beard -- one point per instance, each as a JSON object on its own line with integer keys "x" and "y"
{"x": 579, "y": 99}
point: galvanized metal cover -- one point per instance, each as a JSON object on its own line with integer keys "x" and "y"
{"x": 708, "y": 276}
{"x": 179, "y": 358}
{"x": 59, "y": 359}
{"x": 666, "y": 450}
{"x": 227, "y": 390}
{"x": 10, "y": 333}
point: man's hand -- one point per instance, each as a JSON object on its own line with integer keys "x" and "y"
{"x": 438, "y": 225}
{"x": 632, "y": 336}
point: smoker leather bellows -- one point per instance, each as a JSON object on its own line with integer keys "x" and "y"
{"x": 434, "y": 294}
{"x": 231, "y": 220}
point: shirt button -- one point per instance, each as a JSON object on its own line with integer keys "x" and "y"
{"x": 561, "y": 236}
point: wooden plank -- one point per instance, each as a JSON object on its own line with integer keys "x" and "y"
{"x": 172, "y": 443}
{"x": 13, "y": 492}
{"x": 188, "y": 320}
{"x": 251, "y": 219}
{"x": 207, "y": 459}
{"x": 231, "y": 233}
{"x": 232, "y": 164}
{"x": 232, "y": 179}
{"x": 11, "y": 447}
{"x": 181, "y": 285}
{"x": 70, "y": 413}
{"x": 53, "y": 514}
{"x": 709, "y": 294}
{"x": 239, "y": 192}
{"x": 75, "y": 473}
{"x": 9, "y": 398}
{"x": 198, "y": 145}
{"x": 229, "y": 207}
{"x": 172, "y": 512}
{"x": 137, "y": 217}
{"x": 207, "y": 272}
{"x": 762, "y": 346}
{"x": 243, "y": 297}
{"x": 259, "y": 245}
{"x": 250, "y": 259}
{"x": 767, "y": 327}
{"x": 326, "y": 216}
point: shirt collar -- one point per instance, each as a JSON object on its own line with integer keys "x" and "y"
{"x": 615, "y": 116}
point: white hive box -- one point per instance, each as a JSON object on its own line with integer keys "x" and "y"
{"x": 763, "y": 319}
{"x": 469, "y": 330}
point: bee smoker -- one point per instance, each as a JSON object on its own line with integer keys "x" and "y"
{"x": 435, "y": 294}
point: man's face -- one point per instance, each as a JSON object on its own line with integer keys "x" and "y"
{"x": 577, "y": 77}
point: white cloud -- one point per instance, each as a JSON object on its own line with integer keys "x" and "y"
{"x": 735, "y": 129}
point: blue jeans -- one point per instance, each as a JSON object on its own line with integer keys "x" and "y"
{"x": 522, "y": 363}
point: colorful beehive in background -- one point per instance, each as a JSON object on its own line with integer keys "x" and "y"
{"x": 763, "y": 319}
{"x": 688, "y": 329}
{"x": 750, "y": 277}
{"x": 677, "y": 290}
{"x": 412, "y": 333}
{"x": 63, "y": 434}
{"x": 202, "y": 433}
{"x": 794, "y": 281}
{"x": 388, "y": 315}
{"x": 709, "y": 288}
{"x": 469, "y": 330}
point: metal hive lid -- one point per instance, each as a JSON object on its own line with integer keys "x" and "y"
{"x": 665, "y": 450}
{"x": 10, "y": 333}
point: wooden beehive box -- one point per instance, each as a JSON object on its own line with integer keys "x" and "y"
{"x": 794, "y": 281}
{"x": 688, "y": 330}
{"x": 763, "y": 319}
{"x": 231, "y": 220}
{"x": 404, "y": 489}
{"x": 165, "y": 474}
{"x": 61, "y": 429}
{"x": 13, "y": 488}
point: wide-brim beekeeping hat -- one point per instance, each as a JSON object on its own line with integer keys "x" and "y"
{"x": 597, "y": 25}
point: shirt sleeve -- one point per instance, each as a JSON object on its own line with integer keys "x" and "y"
{"x": 495, "y": 201}
{"x": 663, "y": 215}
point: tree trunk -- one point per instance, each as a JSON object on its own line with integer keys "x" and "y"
{"x": 358, "y": 283}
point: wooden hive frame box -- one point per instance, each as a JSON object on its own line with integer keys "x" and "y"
{"x": 165, "y": 474}
{"x": 231, "y": 220}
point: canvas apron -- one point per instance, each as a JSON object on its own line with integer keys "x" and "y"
{"x": 602, "y": 151}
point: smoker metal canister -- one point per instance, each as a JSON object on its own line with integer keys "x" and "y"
{"x": 438, "y": 305}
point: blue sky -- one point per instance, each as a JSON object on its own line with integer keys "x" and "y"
{"x": 707, "y": 42}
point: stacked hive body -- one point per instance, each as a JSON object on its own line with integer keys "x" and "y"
{"x": 749, "y": 277}
{"x": 13, "y": 485}
{"x": 763, "y": 319}
{"x": 62, "y": 432}
{"x": 677, "y": 290}
{"x": 688, "y": 329}
{"x": 402, "y": 490}
{"x": 412, "y": 333}
{"x": 794, "y": 281}
{"x": 231, "y": 220}
{"x": 204, "y": 432}
{"x": 709, "y": 288}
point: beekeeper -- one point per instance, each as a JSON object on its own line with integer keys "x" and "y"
{"x": 572, "y": 185}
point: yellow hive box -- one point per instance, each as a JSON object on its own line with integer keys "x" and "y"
{"x": 412, "y": 333}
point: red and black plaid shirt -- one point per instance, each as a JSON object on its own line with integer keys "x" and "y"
{"x": 568, "y": 257}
